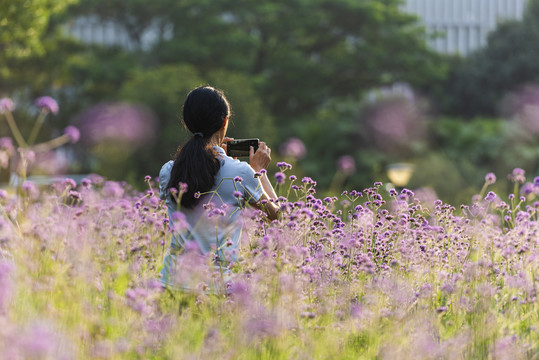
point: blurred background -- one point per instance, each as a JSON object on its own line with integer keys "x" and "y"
{"x": 428, "y": 94}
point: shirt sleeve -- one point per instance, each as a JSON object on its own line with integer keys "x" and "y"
{"x": 164, "y": 178}
{"x": 252, "y": 187}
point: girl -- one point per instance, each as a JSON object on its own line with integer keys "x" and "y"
{"x": 201, "y": 166}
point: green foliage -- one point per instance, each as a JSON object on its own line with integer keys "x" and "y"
{"x": 300, "y": 61}
{"x": 463, "y": 151}
{"x": 164, "y": 89}
{"x": 478, "y": 84}
{"x": 336, "y": 131}
{"x": 22, "y": 25}
{"x": 99, "y": 72}
{"x": 135, "y": 16}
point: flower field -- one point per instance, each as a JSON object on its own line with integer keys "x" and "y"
{"x": 369, "y": 274}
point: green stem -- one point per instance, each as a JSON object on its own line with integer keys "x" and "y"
{"x": 483, "y": 189}
{"x": 51, "y": 144}
{"x": 36, "y": 128}
{"x": 15, "y": 130}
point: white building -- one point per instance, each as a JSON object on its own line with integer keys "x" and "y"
{"x": 463, "y": 25}
{"x": 93, "y": 30}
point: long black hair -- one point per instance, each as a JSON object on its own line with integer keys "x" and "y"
{"x": 196, "y": 163}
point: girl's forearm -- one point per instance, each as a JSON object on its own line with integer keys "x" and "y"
{"x": 268, "y": 188}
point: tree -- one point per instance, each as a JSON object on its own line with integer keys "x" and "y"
{"x": 134, "y": 16}
{"x": 22, "y": 26}
{"x": 302, "y": 53}
{"x": 478, "y": 84}
{"x": 164, "y": 89}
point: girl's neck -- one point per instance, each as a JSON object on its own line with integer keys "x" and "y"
{"x": 216, "y": 139}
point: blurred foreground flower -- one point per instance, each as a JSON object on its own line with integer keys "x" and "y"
{"x": 6, "y": 104}
{"x": 6, "y": 151}
{"x": 72, "y": 133}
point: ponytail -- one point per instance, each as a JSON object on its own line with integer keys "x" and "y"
{"x": 196, "y": 163}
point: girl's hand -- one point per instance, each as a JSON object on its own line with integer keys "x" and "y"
{"x": 261, "y": 158}
{"x": 225, "y": 140}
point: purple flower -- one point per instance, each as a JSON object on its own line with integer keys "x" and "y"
{"x": 147, "y": 178}
{"x": 238, "y": 179}
{"x": 72, "y": 133}
{"x": 112, "y": 189}
{"x": 3, "y": 194}
{"x": 75, "y": 195}
{"x": 86, "y": 183}
{"x": 518, "y": 175}
{"x": 527, "y": 189}
{"x": 407, "y": 192}
{"x": 293, "y": 148}
{"x": 346, "y": 164}
{"x": 183, "y": 187}
{"x": 178, "y": 221}
{"x": 29, "y": 155}
{"x": 132, "y": 126}
{"x": 30, "y": 189}
{"x": 536, "y": 181}
{"x": 491, "y": 196}
{"x": 69, "y": 182}
{"x": 96, "y": 179}
{"x": 490, "y": 178}
{"x": 280, "y": 177}
{"x": 237, "y": 194}
{"x": 6, "y": 270}
{"x": 42, "y": 341}
{"x": 6, "y": 104}
{"x": 261, "y": 327}
{"x": 6, "y": 144}
{"x": 284, "y": 165}
{"x": 441, "y": 309}
{"x": 216, "y": 212}
{"x": 47, "y": 104}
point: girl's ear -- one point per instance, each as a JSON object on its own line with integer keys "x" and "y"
{"x": 225, "y": 123}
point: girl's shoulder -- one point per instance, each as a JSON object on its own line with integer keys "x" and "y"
{"x": 166, "y": 169}
{"x": 164, "y": 175}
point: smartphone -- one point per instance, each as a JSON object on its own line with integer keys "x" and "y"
{"x": 241, "y": 147}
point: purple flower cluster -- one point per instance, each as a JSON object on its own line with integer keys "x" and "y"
{"x": 518, "y": 175}
{"x": 490, "y": 178}
{"x": 280, "y": 178}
